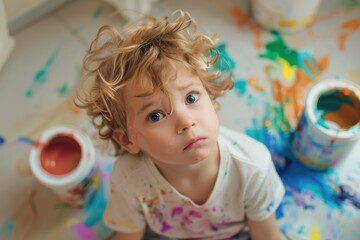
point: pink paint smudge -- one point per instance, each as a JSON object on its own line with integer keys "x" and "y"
{"x": 84, "y": 232}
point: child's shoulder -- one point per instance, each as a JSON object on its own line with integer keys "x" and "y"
{"x": 127, "y": 165}
{"x": 245, "y": 150}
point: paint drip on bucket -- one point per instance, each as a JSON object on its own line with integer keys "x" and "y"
{"x": 63, "y": 159}
{"x": 330, "y": 125}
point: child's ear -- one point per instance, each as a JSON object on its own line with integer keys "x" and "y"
{"x": 121, "y": 138}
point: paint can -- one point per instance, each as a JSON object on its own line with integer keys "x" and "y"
{"x": 284, "y": 15}
{"x": 63, "y": 159}
{"x": 330, "y": 124}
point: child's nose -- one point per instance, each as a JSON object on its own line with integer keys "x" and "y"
{"x": 185, "y": 122}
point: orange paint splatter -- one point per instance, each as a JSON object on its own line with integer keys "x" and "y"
{"x": 152, "y": 201}
{"x": 253, "y": 82}
{"x": 72, "y": 107}
{"x": 23, "y": 167}
{"x": 320, "y": 18}
{"x": 292, "y": 98}
{"x": 112, "y": 187}
{"x": 324, "y": 63}
{"x": 243, "y": 19}
{"x": 347, "y": 29}
{"x": 39, "y": 144}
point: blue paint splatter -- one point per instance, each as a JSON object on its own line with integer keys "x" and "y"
{"x": 346, "y": 193}
{"x": 26, "y": 140}
{"x": 280, "y": 211}
{"x": 108, "y": 168}
{"x": 275, "y": 132}
{"x": 303, "y": 57}
{"x": 270, "y": 207}
{"x": 225, "y": 63}
{"x": 2, "y": 140}
{"x": 240, "y": 87}
{"x": 94, "y": 210}
{"x": 299, "y": 179}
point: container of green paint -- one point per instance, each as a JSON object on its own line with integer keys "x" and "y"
{"x": 330, "y": 124}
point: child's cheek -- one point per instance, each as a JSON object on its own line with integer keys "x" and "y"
{"x": 133, "y": 132}
{"x": 136, "y": 134}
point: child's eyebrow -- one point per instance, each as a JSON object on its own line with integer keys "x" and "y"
{"x": 142, "y": 95}
{"x": 145, "y": 106}
{"x": 190, "y": 84}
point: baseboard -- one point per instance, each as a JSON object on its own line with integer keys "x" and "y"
{"x": 6, "y": 46}
{"x": 34, "y": 14}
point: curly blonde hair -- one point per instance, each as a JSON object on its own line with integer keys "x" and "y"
{"x": 145, "y": 53}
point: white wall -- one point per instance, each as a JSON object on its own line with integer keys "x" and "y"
{"x": 17, "y": 8}
{"x": 20, "y": 13}
{"x": 6, "y": 42}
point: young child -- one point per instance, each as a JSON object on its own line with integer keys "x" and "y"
{"x": 179, "y": 174}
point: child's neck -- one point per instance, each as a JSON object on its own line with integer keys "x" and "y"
{"x": 194, "y": 181}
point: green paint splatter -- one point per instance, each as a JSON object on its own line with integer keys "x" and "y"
{"x": 351, "y": 4}
{"x": 304, "y": 60}
{"x": 41, "y": 76}
{"x": 275, "y": 116}
{"x": 332, "y": 101}
{"x": 77, "y": 29}
{"x": 64, "y": 89}
{"x": 7, "y": 229}
{"x": 98, "y": 12}
{"x": 278, "y": 49}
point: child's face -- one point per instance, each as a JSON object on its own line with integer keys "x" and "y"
{"x": 187, "y": 135}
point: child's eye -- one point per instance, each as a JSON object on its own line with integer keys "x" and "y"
{"x": 156, "y": 116}
{"x": 192, "y": 98}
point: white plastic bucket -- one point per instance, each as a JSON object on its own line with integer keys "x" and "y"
{"x": 330, "y": 125}
{"x": 284, "y": 15}
{"x": 71, "y": 181}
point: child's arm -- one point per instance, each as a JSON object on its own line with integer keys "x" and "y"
{"x": 264, "y": 230}
{"x": 130, "y": 236}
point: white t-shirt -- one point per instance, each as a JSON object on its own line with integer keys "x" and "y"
{"x": 247, "y": 186}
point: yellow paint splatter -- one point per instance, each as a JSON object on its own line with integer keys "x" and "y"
{"x": 129, "y": 225}
{"x": 287, "y": 70}
{"x": 71, "y": 221}
{"x": 97, "y": 181}
{"x": 315, "y": 235}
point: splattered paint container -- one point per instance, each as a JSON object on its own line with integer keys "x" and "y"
{"x": 63, "y": 159}
{"x": 330, "y": 124}
{"x": 284, "y": 15}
